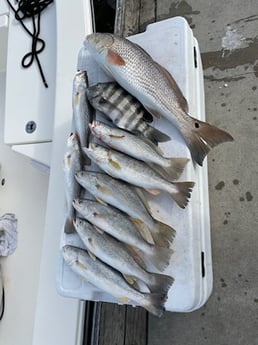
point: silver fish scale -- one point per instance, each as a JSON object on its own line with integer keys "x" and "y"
{"x": 144, "y": 76}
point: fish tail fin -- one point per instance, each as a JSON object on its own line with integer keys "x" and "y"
{"x": 155, "y": 303}
{"x": 155, "y": 135}
{"x": 163, "y": 234}
{"x": 69, "y": 227}
{"x": 176, "y": 167}
{"x": 160, "y": 257}
{"x": 160, "y": 282}
{"x": 203, "y": 137}
{"x": 183, "y": 193}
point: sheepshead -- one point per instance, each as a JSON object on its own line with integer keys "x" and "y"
{"x": 125, "y": 197}
{"x": 115, "y": 254}
{"x": 72, "y": 163}
{"x": 139, "y": 148}
{"x": 138, "y": 173}
{"x": 119, "y": 225}
{"x": 134, "y": 69}
{"x": 81, "y": 112}
{"x": 107, "y": 279}
{"x": 123, "y": 109}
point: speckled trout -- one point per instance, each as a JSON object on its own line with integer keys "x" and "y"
{"x": 118, "y": 225}
{"x": 134, "y": 69}
{"x": 115, "y": 254}
{"x": 139, "y": 148}
{"x": 138, "y": 173}
{"x": 125, "y": 197}
{"x": 109, "y": 280}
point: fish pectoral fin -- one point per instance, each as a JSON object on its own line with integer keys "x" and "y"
{"x": 114, "y": 164}
{"x": 103, "y": 189}
{"x": 153, "y": 191}
{"x": 114, "y": 58}
{"x": 130, "y": 279}
{"x": 93, "y": 257}
{"x": 100, "y": 231}
{"x": 123, "y": 300}
{"x": 116, "y": 136}
{"x": 144, "y": 230}
{"x": 101, "y": 201}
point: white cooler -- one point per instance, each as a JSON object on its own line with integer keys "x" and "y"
{"x": 172, "y": 44}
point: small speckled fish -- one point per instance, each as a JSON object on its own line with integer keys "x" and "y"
{"x": 81, "y": 112}
{"x": 139, "y": 148}
{"x": 115, "y": 254}
{"x": 123, "y": 196}
{"x": 107, "y": 279}
{"x": 123, "y": 109}
{"x": 72, "y": 163}
{"x": 134, "y": 69}
{"x": 138, "y": 173}
{"x": 119, "y": 225}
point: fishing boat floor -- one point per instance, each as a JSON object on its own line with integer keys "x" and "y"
{"x": 227, "y": 36}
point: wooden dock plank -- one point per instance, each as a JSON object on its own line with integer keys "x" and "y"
{"x": 112, "y": 324}
{"x": 136, "y": 326}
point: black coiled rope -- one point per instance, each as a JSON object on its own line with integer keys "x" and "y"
{"x": 32, "y": 9}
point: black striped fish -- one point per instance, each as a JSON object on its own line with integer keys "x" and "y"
{"x": 123, "y": 109}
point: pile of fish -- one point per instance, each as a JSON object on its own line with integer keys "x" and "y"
{"x": 126, "y": 248}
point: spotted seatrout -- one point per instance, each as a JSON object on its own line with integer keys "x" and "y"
{"x": 138, "y": 173}
{"x": 81, "y": 112}
{"x": 134, "y": 69}
{"x": 72, "y": 163}
{"x": 125, "y": 197}
{"x": 118, "y": 225}
{"x": 109, "y": 280}
{"x": 139, "y": 148}
{"x": 115, "y": 254}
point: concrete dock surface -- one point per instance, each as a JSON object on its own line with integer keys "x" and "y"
{"x": 228, "y": 39}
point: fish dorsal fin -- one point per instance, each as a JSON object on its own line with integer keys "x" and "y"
{"x": 114, "y": 58}
{"x": 172, "y": 83}
{"x": 144, "y": 230}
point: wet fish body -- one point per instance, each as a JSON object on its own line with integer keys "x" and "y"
{"x": 72, "y": 163}
{"x": 81, "y": 112}
{"x": 123, "y": 109}
{"x": 138, "y": 173}
{"x": 134, "y": 69}
{"x": 118, "y": 225}
{"x": 110, "y": 281}
{"x": 115, "y": 254}
{"x": 139, "y": 148}
{"x": 123, "y": 196}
